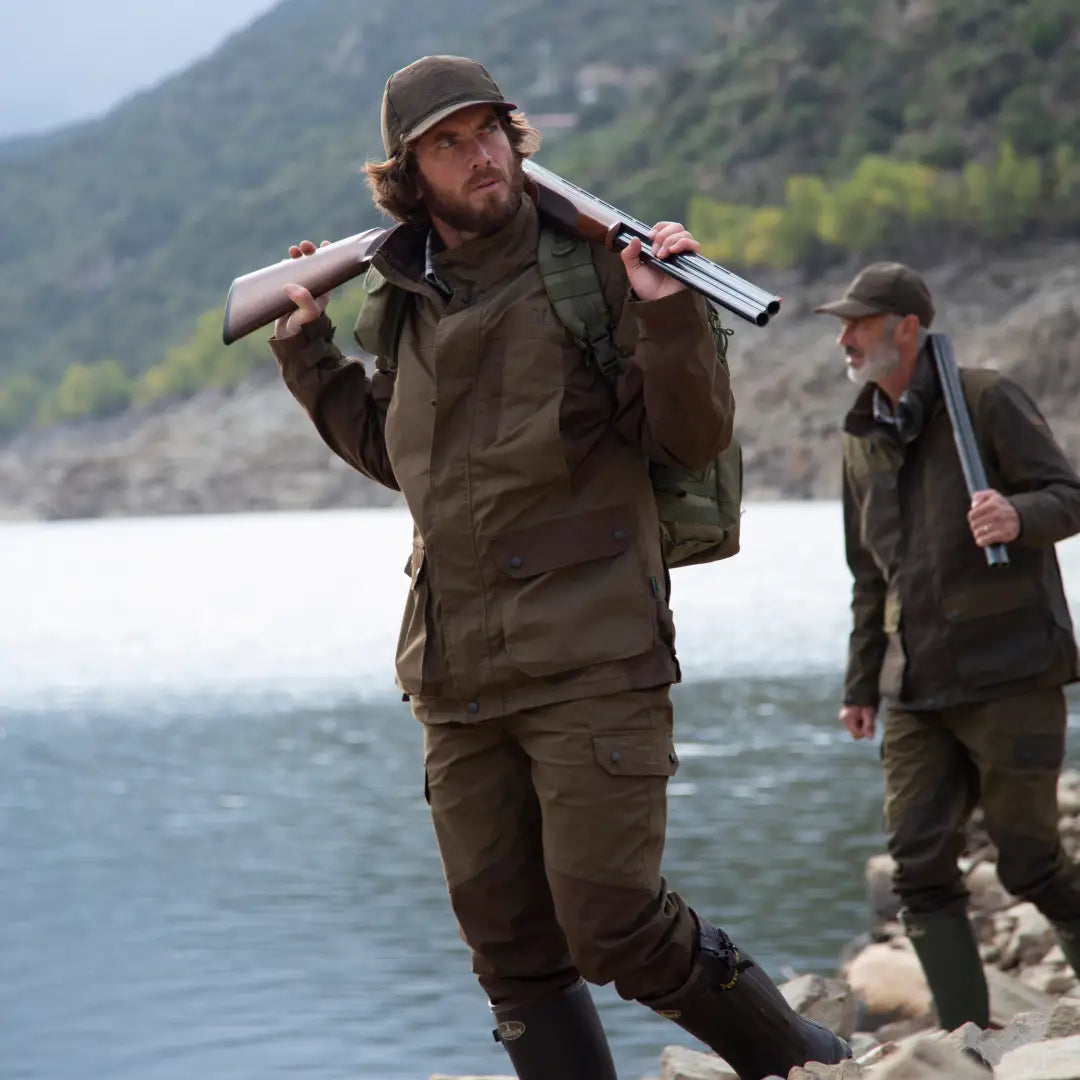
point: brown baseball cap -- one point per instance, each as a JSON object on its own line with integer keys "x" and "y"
{"x": 884, "y": 288}
{"x": 428, "y": 90}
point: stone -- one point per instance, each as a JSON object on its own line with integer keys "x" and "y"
{"x": 862, "y": 1043}
{"x": 814, "y": 1070}
{"x": 1022, "y": 1029}
{"x": 987, "y": 892}
{"x": 878, "y": 876}
{"x": 827, "y": 1001}
{"x": 1064, "y": 1020}
{"x": 889, "y": 984}
{"x": 1009, "y": 996}
{"x": 1048, "y": 979}
{"x": 1068, "y": 789}
{"x": 969, "y": 1039}
{"x": 927, "y": 1059}
{"x": 1052, "y": 1059}
{"x": 679, "y": 1063}
{"x": 1031, "y": 938}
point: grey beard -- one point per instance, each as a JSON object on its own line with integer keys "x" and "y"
{"x": 881, "y": 362}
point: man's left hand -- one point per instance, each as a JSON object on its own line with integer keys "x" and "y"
{"x": 993, "y": 519}
{"x": 667, "y": 238}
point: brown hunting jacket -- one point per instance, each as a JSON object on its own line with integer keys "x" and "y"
{"x": 536, "y": 571}
{"x": 934, "y": 625}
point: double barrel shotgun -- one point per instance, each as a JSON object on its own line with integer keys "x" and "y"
{"x": 257, "y": 299}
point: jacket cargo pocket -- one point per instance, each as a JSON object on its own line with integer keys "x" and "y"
{"x": 409, "y": 663}
{"x": 623, "y": 804}
{"x": 574, "y": 593}
{"x": 1000, "y": 631}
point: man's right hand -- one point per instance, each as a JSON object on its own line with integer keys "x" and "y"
{"x": 860, "y": 720}
{"x": 308, "y": 307}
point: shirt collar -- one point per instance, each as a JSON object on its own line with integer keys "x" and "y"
{"x": 910, "y": 411}
{"x": 431, "y": 275}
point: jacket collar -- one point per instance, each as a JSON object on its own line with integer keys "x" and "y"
{"x": 475, "y": 266}
{"x": 470, "y": 268}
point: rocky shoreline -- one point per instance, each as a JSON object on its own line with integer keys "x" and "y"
{"x": 879, "y": 1001}
{"x": 251, "y": 448}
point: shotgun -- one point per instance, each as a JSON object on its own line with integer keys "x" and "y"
{"x": 257, "y": 299}
{"x": 941, "y": 351}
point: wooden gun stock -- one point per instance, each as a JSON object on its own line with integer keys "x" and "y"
{"x": 258, "y": 298}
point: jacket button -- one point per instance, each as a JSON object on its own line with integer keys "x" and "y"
{"x": 673, "y": 758}
{"x": 473, "y": 707}
{"x": 516, "y": 562}
{"x": 618, "y": 535}
{"x": 615, "y": 756}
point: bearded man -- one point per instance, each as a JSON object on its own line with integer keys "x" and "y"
{"x": 537, "y": 647}
{"x": 969, "y": 659}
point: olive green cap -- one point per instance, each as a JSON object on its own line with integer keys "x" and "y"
{"x": 884, "y": 288}
{"x": 428, "y": 90}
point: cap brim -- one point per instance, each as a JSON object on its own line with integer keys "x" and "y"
{"x": 430, "y": 121}
{"x": 849, "y": 309}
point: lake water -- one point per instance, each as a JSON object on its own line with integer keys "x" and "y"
{"x": 215, "y": 857}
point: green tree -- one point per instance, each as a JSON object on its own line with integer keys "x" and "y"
{"x": 20, "y": 397}
{"x": 98, "y": 389}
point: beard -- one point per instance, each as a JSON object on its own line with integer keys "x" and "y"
{"x": 474, "y": 217}
{"x": 878, "y": 363}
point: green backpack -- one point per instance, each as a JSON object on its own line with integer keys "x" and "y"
{"x": 699, "y": 511}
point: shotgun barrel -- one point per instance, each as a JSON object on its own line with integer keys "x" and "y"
{"x": 591, "y": 217}
{"x": 971, "y": 462}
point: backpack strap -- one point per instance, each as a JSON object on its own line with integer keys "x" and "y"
{"x": 382, "y": 316}
{"x": 573, "y": 287}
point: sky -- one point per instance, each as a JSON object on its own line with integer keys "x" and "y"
{"x": 68, "y": 60}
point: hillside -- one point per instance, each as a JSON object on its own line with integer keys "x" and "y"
{"x": 252, "y": 448}
{"x": 810, "y": 135}
{"x": 119, "y": 233}
{"x": 813, "y": 86}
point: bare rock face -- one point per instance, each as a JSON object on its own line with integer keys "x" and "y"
{"x": 247, "y": 449}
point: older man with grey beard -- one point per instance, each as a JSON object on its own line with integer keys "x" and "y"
{"x": 970, "y": 659}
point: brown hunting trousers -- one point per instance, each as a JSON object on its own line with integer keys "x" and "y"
{"x": 1006, "y": 755}
{"x": 550, "y": 824}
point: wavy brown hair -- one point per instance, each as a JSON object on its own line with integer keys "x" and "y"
{"x": 393, "y": 182}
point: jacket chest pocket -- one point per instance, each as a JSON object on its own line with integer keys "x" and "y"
{"x": 573, "y": 593}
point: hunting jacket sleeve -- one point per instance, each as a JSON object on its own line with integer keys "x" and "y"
{"x": 1038, "y": 478}
{"x": 347, "y": 408}
{"x": 867, "y": 644}
{"x": 674, "y": 398}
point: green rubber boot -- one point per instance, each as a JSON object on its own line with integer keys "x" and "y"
{"x": 945, "y": 944}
